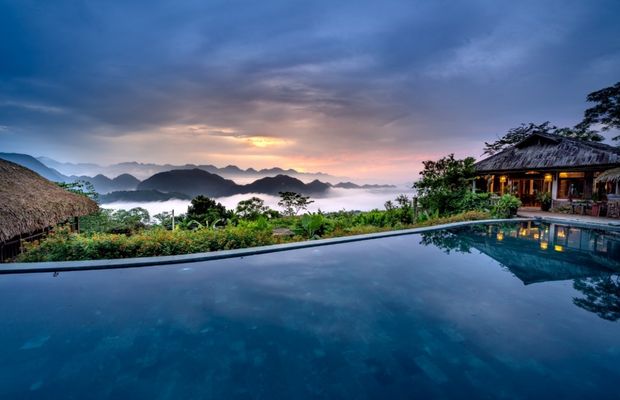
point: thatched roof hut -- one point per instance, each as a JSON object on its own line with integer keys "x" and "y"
{"x": 611, "y": 175}
{"x": 551, "y": 152}
{"x": 29, "y": 202}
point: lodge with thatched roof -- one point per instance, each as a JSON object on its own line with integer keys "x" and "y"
{"x": 568, "y": 169}
{"x": 30, "y": 204}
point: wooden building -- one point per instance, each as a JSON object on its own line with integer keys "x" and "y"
{"x": 566, "y": 168}
{"x": 30, "y": 205}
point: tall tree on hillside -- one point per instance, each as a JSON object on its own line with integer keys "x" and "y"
{"x": 606, "y": 110}
{"x": 292, "y": 203}
{"x": 515, "y": 135}
{"x": 204, "y": 209}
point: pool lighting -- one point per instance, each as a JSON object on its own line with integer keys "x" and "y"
{"x": 544, "y": 245}
{"x": 558, "y": 248}
{"x": 500, "y": 236}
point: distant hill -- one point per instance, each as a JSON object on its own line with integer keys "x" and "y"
{"x": 195, "y": 181}
{"x": 145, "y": 170}
{"x": 141, "y": 196}
{"x": 351, "y": 185}
{"x": 284, "y": 183}
{"x": 103, "y": 184}
{"x": 191, "y": 182}
{"x": 37, "y": 166}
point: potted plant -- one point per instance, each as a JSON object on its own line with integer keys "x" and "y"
{"x": 545, "y": 200}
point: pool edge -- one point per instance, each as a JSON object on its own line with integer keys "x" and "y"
{"x": 86, "y": 265}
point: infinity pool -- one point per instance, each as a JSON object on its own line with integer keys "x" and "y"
{"x": 516, "y": 311}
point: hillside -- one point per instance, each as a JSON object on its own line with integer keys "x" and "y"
{"x": 192, "y": 182}
{"x": 103, "y": 184}
{"x": 195, "y": 181}
{"x": 284, "y": 183}
{"x": 35, "y": 165}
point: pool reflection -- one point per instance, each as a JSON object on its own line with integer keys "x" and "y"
{"x": 535, "y": 252}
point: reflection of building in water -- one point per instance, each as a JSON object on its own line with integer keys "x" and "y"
{"x": 536, "y": 252}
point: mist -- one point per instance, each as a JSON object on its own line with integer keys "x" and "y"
{"x": 339, "y": 199}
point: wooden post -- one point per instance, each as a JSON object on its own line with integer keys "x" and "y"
{"x": 415, "y": 209}
{"x": 173, "y": 219}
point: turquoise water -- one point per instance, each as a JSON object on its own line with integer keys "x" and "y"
{"x": 514, "y": 311}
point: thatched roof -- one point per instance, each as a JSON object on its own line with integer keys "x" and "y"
{"x": 29, "y": 202}
{"x": 548, "y": 152}
{"x": 611, "y": 175}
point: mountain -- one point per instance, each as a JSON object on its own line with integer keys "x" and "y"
{"x": 126, "y": 182}
{"x": 284, "y": 183}
{"x": 37, "y": 166}
{"x": 141, "y": 196}
{"x": 145, "y": 170}
{"x": 351, "y": 185}
{"x": 103, "y": 184}
{"x": 192, "y": 182}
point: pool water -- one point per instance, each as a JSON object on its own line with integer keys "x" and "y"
{"x": 517, "y": 311}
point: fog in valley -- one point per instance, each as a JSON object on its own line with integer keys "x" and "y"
{"x": 339, "y": 199}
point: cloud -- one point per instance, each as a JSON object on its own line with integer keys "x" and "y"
{"x": 335, "y": 85}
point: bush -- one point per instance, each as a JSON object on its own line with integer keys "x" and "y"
{"x": 472, "y": 201}
{"x": 62, "y": 245}
{"x": 506, "y": 206}
{"x": 312, "y": 226}
{"x": 444, "y": 184}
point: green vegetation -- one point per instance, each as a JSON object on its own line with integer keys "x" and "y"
{"x": 445, "y": 184}
{"x": 209, "y": 226}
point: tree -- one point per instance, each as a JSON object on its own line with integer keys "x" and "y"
{"x": 80, "y": 187}
{"x": 606, "y": 111}
{"x": 251, "y": 208}
{"x": 204, "y": 209}
{"x": 602, "y": 296}
{"x": 515, "y": 135}
{"x": 444, "y": 183}
{"x": 292, "y": 203}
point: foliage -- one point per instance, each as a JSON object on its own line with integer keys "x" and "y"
{"x": 80, "y": 187}
{"x": 606, "y": 110}
{"x": 252, "y": 209}
{"x": 292, "y": 203}
{"x": 506, "y": 206}
{"x": 602, "y": 296}
{"x": 515, "y": 135}
{"x": 64, "y": 245}
{"x": 164, "y": 219}
{"x": 313, "y": 225}
{"x": 205, "y": 211}
{"x": 119, "y": 221}
{"x": 545, "y": 200}
{"x": 444, "y": 183}
{"x": 476, "y": 201}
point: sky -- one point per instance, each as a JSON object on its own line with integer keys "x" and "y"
{"x": 364, "y": 89}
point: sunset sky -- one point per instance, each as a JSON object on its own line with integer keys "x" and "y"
{"x": 361, "y": 89}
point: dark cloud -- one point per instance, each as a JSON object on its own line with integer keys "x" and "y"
{"x": 393, "y": 78}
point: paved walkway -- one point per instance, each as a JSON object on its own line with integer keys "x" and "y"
{"x": 531, "y": 212}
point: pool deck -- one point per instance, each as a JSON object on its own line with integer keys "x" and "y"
{"x": 536, "y": 213}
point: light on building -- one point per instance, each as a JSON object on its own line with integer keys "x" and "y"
{"x": 503, "y": 178}
{"x": 548, "y": 177}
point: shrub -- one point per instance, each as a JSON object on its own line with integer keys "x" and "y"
{"x": 444, "y": 183}
{"x": 63, "y": 245}
{"x": 506, "y": 206}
